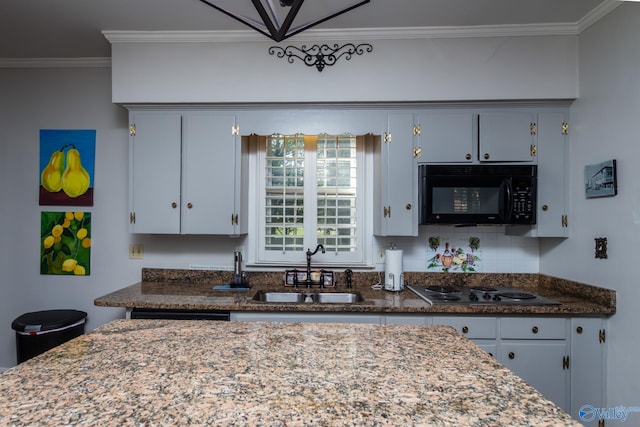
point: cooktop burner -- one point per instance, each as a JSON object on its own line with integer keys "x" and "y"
{"x": 517, "y": 295}
{"x": 442, "y": 289}
{"x": 482, "y": 295}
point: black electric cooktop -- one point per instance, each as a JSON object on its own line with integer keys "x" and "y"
{"x": 482, "y": 295}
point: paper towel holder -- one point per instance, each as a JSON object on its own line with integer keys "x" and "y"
{"x": 393, "y": 286}
{"x": 394, "y": 275}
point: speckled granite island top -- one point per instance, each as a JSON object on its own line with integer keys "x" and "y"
{"x": 176, "y": 373}
{"x": 193, "y": 290}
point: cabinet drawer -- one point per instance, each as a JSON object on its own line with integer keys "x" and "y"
{"x": 407, "y": 319}
{"x": 534, "y": 328}
{"x": 470, "y": 327}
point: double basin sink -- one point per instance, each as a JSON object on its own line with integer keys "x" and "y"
{"x": 308, "y": 297}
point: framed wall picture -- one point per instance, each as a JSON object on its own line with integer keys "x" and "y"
{"x": 600, "y": 179}
{"x": 67, "y": 159}
{"x": 65, "y": 243}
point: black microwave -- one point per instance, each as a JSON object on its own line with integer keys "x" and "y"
{"x": 477, "y": 194}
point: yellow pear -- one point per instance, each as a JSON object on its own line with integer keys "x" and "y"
{"x": 75, "y": 179}
{"x": 51, "y": 176}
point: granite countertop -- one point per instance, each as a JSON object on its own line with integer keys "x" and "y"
{"x": 169, "y": 373}
{"x": 193, "y": 290}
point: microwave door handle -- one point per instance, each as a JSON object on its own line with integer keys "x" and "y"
{"x": 509, "y": 196}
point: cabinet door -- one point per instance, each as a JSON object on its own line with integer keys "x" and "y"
{"x": 396, "y": 180}
{"x": 446, "y": 137}
{"x": 208, "y": 180}
{"x": 506, "y": 136}
{"x": 541, "y": 365}
{"x": 552, "y": 175}
{"x": 154, "y": 171}
{"x": 587, "y": 368}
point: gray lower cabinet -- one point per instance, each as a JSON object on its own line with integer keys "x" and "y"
{"x": 481, "y": 330}
{"x": 588, "y": 374}
{"x": 537, "y": 350}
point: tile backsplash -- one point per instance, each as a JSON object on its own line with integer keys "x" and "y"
{"x": 483, "y": 249}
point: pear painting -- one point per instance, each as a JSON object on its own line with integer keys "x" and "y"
{"x": 67, "y": 159}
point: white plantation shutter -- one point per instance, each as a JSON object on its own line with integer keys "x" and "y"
{"x": 311, "y": 196}
{"x": 337, "y": 177}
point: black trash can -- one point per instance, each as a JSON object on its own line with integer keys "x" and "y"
{"x": 40, "y": 331}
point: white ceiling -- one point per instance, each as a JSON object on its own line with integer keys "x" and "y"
{"x": 73, "y": 28}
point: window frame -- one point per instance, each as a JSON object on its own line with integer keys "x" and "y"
{"x": 258, "y": 254}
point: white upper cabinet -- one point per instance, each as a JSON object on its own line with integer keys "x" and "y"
{"x": 396, "y": 179}
{"x": 553, "y": 137}
{"x": 446, "y": 137}
{"x": 507, "y": 136}
{"x": 154, "y": 172}
{"x": 552, "y": 152}
{"x": 186, "y": 174}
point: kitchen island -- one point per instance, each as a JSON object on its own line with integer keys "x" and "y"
{"x": 168, "y": 372}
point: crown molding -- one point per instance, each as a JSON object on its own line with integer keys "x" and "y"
{"x": 598, "y": 13}
{"x": 55, "y": 62}
{"x": 399, "y": 33}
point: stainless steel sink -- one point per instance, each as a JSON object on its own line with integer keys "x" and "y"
{"x": 337, "y": 297}
{"x": 279, "y": 296}
{"x": 308, "y": 297}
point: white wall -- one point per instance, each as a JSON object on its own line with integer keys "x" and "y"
{"x": 397, "y": 70}
{"x": 604, "y": 126}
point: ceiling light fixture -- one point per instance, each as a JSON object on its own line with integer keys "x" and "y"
{"x": 277, "y": 23}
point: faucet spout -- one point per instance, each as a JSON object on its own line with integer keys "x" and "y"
{"x": 309, "y": 255}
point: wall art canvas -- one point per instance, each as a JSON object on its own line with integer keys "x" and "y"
{"x": 600, "y": 179}
{"x": 67, "y": 159}
{"x": 462, "y": 255}
{"x": 65, "y": 243}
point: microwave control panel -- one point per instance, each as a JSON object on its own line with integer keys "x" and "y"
{"x": 523, "y": 203}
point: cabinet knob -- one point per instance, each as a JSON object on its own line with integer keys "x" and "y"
{"x": 174, "y": 205}
{"x": 468, "y": 156}
{"x": 545, "y": 207}
{"x": 486, "y": 156}
{"x": 189, "y": 205}
{"x": 579, "y": 329}
{"x": 534, "y": 329}
{"x": 465, "y": 329}
{"x": 408, "y": 207}
{"x": 512, "y": 355}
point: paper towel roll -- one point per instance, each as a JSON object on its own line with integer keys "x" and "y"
{"x": 393, "y": 273}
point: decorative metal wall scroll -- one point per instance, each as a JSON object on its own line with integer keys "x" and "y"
{"x": 320, "y": 56}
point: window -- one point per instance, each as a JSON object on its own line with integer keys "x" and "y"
{"x": 311, "y": 193}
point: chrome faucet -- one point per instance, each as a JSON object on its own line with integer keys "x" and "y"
{"x": 309, "y": 255}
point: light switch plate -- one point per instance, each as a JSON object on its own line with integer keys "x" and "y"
{"x": 136, "y": 251}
